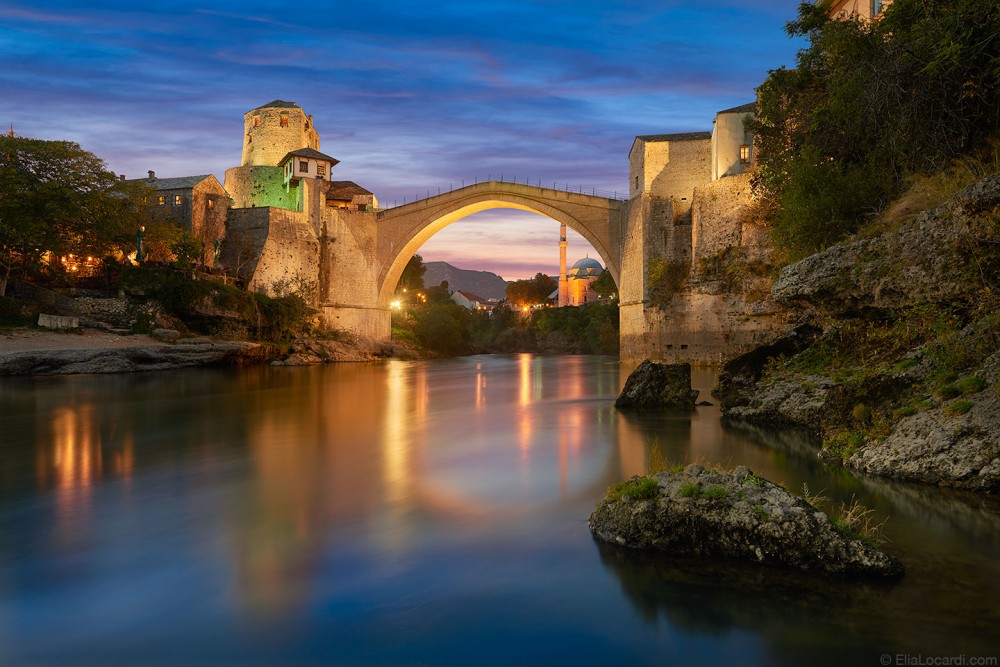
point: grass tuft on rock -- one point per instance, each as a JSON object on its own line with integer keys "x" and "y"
{"x": 637, "y": 488}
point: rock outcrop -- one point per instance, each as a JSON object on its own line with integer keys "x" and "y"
{"x": 904, "y": 380}
{"x": 734, "y": 515}
{"x": 309, "y": 351}
{"x": 130, "y": 359}
{"x": 654, "y": 386}
{"x": 935, "y": 258}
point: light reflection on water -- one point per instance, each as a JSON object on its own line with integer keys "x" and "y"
{"x": 430, "y": 512}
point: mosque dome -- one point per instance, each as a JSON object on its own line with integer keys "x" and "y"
{"x": 585, "y": 268}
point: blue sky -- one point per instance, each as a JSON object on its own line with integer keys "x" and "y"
{"x": 409, "y": 96}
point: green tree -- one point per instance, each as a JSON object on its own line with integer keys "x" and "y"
{"x": 605, "y": 286}
{"x": 531, "y": 291}
{"x": 868, "y": 105}
{"x": 444, "y": 328}
{"x": 439, "y": 293}
{"x": 56, "y": 197}
{"x": 412, "y": 278}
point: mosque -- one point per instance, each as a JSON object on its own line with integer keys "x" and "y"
{"x": 576, "y": 285}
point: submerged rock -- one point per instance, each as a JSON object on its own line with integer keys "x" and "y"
{"x": 653, "y": 385}
{"x": 733, "y": 515}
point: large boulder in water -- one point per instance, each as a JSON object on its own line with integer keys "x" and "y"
{"x": 736, "y": 515}
{"x": 653, "y": 386}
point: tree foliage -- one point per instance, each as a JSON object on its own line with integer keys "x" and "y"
{"x": 605, "y": 285}
{"x": 56, "y": 197}
{"x": 531, "y": 291}
{"x": 870, "y": 104}
{"x": 412, "y": 277}
{"x": 443, "y": 328}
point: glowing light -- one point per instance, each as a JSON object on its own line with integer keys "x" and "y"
{"x": 395, "y": 305}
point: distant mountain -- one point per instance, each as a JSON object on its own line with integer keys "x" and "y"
{"x": 482, "y": 283}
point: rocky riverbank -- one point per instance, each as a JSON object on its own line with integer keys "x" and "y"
{"x": 26, "y": 351}
{"x": 899, "y": 371}
{"x": 738, "y": 515}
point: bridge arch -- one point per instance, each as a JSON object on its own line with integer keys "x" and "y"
{"x": 404, "y": 229}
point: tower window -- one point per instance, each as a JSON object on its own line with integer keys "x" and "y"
{"x": 161, "y": 200}
{"x": 744, "y": 154}
{"x": 211, "y": 203}
{"x": 636, "y": 182}
{"x": 284, "y": 120}
{"x": 303, "y": 166}
{"x": 256, "y": 121}
{"x": 178, "y": 200}
{"x": 321, "y": 170}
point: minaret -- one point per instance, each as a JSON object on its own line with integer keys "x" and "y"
{"x": 563, "y": 280}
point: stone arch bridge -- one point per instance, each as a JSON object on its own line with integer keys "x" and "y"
{"x": 402, "y": 230}
{"x": 356, "y": 257}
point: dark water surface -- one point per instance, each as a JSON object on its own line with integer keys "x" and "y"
{"x": 427, "y": 513}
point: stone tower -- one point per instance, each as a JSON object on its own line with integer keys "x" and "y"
{"x": 563, "y": 280}
{"x": 273, "y": 131}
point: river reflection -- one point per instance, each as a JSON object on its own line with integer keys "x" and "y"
{"x": 423, "y": 512}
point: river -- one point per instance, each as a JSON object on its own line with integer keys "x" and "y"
{"x": 433, "y": 513}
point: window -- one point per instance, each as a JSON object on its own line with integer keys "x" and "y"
{"x": 161, "y": 200}
{"x": 636, "y": 182}
{"x": 307, "y": 125}
{"x": 744, "y": 154}
{"x": 303, "y": 166}
{"x": 284, "y": 120}
{"x": 211, "y": 203}
{"x": 178, "y": 200}
{"x": 876, "y": 7}
{"x": 321, "y": 170}
{"x": 256, "y": 121}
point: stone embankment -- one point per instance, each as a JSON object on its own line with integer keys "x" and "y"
{"x": 735, "y": 515}
{"x": 901, "y": 375}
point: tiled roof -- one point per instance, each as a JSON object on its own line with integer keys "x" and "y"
{"x": 472, "y": 297}
{"x": 178, "y": 183}
{"x": 680, "y": 136}
{"x": 743, "y": 108}
{"x": 282, "y": 104}
{"x": 309, "y": 152}
{"x": 344, "y": 190}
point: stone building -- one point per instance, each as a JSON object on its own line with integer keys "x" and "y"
{"x": 732, "y": 143}
{"x": 350, "y": 195}
{"x": 864, "y": 9}
{"x": 580, "y": 280}
{"x": 690, "y": 196}
{"x": 291, "y": 224}
{"x": 198, "y": 204}
{"x": 670, "y": 166}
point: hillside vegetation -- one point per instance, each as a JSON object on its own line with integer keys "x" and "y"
{"x": 878, "y": 161}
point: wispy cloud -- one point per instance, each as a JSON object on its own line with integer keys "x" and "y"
{"x": 408, "y": 97}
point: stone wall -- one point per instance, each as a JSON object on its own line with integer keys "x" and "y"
{"x": 349, "y": 291}
{"x": 670, "y": 169}
{"x": 717, "y": 220}
{"x": 702, "y": 323}
{"x": 260, "y": 186}
{"x": 209, "y": 206}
